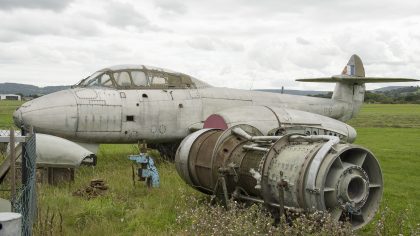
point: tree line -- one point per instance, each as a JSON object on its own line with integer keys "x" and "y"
{"x": 399, "y": 95}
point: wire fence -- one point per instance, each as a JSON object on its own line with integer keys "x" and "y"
{"x": 24, "y": 201}
{"x": 4, "y": 145}
{"x": 4, "y": 132}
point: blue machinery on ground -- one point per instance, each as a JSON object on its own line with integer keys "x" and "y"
{"x": 146, "y": 169}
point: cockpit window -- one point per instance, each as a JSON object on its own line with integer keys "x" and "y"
{"x": 97, "y": 79}
{"x": 175, "y": 82}
{"x": 158, "y": 80}
{"x": 94, "y": 82}
{"x": 122, "y": 78}
{"x": 89, "y": 80}
{"x": 139, "y": 78}
{"x": 106, "y": 80}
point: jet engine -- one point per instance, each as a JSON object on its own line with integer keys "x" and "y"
{"x": 300, "y": 172}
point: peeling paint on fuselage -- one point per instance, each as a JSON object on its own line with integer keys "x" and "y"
{"x": 154, "y": 113}
{"x": 127, "y": 116}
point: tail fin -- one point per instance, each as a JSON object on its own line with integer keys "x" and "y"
{"x": 354, "y": 67}
{"x": 350, "y": 84}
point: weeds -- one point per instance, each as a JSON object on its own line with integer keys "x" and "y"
{"x": 202, "y": 218}
{"x": 198, "y": 217}
{"x": 393, "y": 222}
{"x": 48, "y": 222}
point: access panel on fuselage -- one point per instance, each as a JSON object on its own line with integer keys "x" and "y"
{"x": 99, "y": 118}
{"x": 165, "y": 115}
{"x": 155, "y": 106}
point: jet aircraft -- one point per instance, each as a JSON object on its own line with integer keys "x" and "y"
{"x": 277, "y": 149}
{"x": 132, "y": 103}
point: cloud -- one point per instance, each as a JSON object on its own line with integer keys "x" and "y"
{"x": 211, "y": 44}
{"x": 20, "y": 25}
{"x": 268, "y": 54}
{"x": 302, "y": 41}
{"x": 124, "y": 15}
{"x": 202, "y": 43}
{"x": 231, "y": 43}
{"x": 172, "y": 6}
{"x": 55, "y": 5}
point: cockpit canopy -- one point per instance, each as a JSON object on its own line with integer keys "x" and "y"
{"x": 140, "y": 77}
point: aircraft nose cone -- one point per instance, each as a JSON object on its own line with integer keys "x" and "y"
{"x": 54, "y": 114}
{"x": 17, "y": 118}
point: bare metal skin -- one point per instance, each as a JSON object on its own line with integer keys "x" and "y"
{"x": 289, "y": 152}
{"x": 125, "y": 104}
{"x": 256, "y": 141}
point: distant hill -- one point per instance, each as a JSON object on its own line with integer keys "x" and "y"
{"x": 398, "y": 94}
{"x": 389, "y": 94}
{"x": 29, "y": 90}
{"x": 396, "y": 91}
{"x": 388, "y": 88}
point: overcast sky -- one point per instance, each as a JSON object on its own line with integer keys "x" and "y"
{"x": 239, "y": 44}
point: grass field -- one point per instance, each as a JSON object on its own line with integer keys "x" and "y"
{"x": 388, "y": 115}
{"x": 391, "y": 132}
{"x": 6, "y": 110}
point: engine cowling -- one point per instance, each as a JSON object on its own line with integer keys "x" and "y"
{"x": 53, "y": 151}
{"x": 277, "y": 120}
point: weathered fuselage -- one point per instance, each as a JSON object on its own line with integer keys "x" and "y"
{"x": 108, "y": 115}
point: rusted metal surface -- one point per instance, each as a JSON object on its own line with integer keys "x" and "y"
{"x": 183, "y": 155}
{"x": 221, "y": 185}
{"x": 202, "y": 171}
{"x": 288, "y": 160}
{"x": 251, "y": 159}
{"x": 277, "y": 171}
{"x": 282, "y": 186}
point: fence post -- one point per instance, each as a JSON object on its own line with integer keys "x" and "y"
{"x": 24, "y": 161}
{"x": 12, "y": 167}
{"x": 26, "y": 229}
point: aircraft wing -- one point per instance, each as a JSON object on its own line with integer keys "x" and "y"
{"x": 355, "y": 79}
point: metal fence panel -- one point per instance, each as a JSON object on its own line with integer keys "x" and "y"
{"x": 25, "y": 201}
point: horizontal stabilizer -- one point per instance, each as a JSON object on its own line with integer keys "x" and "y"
{"x": 355, "y": 79}
{"x": 354, "y": 73}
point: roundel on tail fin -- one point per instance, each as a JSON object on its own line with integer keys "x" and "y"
{"x": 354, "y": 67}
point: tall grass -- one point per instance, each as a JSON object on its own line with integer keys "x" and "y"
{"x": 205, "y": 219}
{"x": 125, "y": 209}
